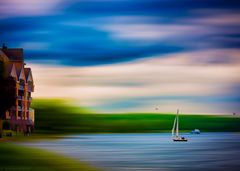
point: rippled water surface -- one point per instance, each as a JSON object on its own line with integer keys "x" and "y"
{"x": 118, "y": 152}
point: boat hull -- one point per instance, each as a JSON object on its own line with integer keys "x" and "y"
{"x": 180, "y": 140}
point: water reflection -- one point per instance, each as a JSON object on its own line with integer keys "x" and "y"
{"x": 209, "y": 151}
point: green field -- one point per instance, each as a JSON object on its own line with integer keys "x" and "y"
{"x": 18, "y": 158}
{"x": 57, "y": 116}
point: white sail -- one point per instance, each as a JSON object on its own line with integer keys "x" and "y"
{"x": 174, "y": 126}
{"x": 177, "y": 127}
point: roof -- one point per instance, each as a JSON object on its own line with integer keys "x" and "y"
{"x": 9, "y": 68}
{"x": 14, "y": 54}
{"x": 13, "y": 58}
{"x": 3, "y": 56}
{"x": 18, "y": 66}
{"x": 27, "y": 71}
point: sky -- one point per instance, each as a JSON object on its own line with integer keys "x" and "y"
{"x": 130, "y": 55}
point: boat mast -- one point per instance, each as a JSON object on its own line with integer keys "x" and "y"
{"x": 174, "y": 125}
{"x": 177, "y": 127}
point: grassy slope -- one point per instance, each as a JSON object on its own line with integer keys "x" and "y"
{"x": 54, "y": 116}
{"x": 18, "y": 158}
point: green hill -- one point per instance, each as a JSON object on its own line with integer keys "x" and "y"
{"x": 57, "y": 116}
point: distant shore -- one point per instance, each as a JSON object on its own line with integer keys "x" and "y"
{"x": 56, "y": 116}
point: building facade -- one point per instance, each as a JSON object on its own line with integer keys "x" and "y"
{"x": 21, "y": 116}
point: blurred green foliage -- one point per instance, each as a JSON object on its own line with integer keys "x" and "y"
{"x": 58, "y": 116}
{"x": 15, "y": 158}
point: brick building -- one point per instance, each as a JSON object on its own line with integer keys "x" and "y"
{"x": 21, "y": 116}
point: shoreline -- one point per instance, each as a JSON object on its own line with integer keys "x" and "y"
{"x": 37, "y": 159}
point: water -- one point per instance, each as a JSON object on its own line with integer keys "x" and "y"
{"x": 122, "y": 152}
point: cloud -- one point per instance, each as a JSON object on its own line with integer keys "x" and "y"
{"x": 153, "y": 29}
{"x": 227, "y": 19}
{"x": 13, "y": 8}
{"x": 35, "y": 45}
{"x": 174, "y": 79}
{"x": 168, "y": 33}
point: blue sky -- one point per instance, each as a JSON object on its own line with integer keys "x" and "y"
{"x": 104, "y": 33}
{"x": 91, "y": 32}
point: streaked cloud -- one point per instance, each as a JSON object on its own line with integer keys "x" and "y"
{"x": 35, "y": 45}
{"x": 171, "y": 82}
{"x": 15, "y": 8}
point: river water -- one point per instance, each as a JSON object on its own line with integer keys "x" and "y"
{"x": 151, "y": 151}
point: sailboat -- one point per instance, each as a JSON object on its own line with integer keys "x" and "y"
{"x": 175, "y": 130}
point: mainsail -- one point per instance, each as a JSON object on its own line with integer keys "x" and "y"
{"x": 176, "y": 125}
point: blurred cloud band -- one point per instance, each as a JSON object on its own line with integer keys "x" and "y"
{"x": 175, "y": 81}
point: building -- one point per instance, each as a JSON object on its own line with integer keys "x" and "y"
{"x": 21, "y": 116}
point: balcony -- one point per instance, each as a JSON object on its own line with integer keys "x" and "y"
{"x": 19, "y": 108}
{"x": 30, "y": 88}
{"x": 21, "y": 87}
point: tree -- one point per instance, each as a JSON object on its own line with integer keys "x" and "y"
{"x": 7, "y": 93}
